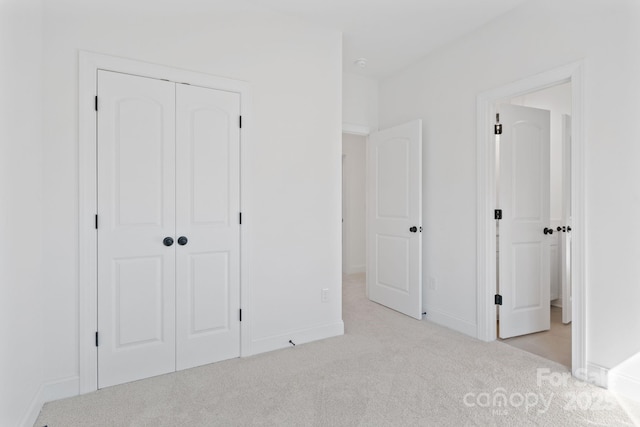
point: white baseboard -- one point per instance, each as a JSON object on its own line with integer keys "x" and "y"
{"x": 299, "y": 336}
{"x": 596, "y": 375}
{"x": 624, "y": 384}
{"x": 453, "y": 322}
{"x": 33, "y": 411}
{"x": 48, "y": 392}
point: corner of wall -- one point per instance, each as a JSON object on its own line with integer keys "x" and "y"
{"x": 48, "y": 392}
{"x": 452, "y": 322}
{"x": 300, "y": 336}
{"x": 359, "y": 102}
{"x": 595, "y": 374}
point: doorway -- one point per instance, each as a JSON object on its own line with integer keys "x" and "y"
{"x": 548, "y": 334}
{"x": 392, "y": 208}
{"x": 354, "y": 149}
{"x": 194, "y": 88}
{"x": 486, "y": 227}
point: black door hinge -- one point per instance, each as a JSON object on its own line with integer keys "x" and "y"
{"x": 497, "y": 214}
{"x": 241, "y": 315}
{"x": 96, "y": 103}
{"x": 240, "y": 122}
{"x": 96, "y": 221}
{"x": 97, "y": 342}
{"x": 498, "y": 299}
{"x": 240, "y": 218}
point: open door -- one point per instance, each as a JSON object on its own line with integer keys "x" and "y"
{"x": 394, "y": 217}
{"x": 525, "y": 229}
{"x": 565, "y": 238}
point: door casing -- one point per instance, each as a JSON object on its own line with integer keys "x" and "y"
{"x": 565, "y": 240}
{"x": 89, "y": 64}
{"x": 486, "y": 192}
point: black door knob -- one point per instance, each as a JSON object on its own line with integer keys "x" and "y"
{"x": 168, "y": 241}
{"x": 559, "y": 228}
{"x": 548, "y": 231}
{"x": 182, "y": 240}
{"x": 568, "y": 229}
{"x": 413, "y": 229}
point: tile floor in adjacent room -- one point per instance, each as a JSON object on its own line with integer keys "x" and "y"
{"x": 554, "y": 344}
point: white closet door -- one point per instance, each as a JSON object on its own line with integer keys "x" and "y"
{"x": 208, "y": 205}
{"x": 136, "y": 207}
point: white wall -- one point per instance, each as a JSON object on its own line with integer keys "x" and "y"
{"x": 354, "y": 244}
{"x": 442, "y": 90}
{"x": 293, "y": 164}
{"x": 359, "y": 102}
{"x": 21, "y": 319}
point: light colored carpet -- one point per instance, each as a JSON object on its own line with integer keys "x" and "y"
{"x": 387, "y": 370}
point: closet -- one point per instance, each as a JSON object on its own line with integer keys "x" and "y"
{"x": 168, "y": 186}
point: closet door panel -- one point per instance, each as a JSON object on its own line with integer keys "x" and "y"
{"x": 208, "y": 205}
{"x": 136, "y": 211}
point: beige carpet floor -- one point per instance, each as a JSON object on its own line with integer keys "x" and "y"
{"x": 387, "y": 370}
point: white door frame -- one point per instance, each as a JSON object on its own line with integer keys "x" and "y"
{"x": 89, "y": 64}
{"x": 486, "y": 192}
{"x": 565, "y": 238}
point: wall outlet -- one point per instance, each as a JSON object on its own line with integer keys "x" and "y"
{"x": 324, "y": 295}
{"x": 432, "y": 284}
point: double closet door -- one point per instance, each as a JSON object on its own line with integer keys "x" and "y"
{"x": 168, "y": 232}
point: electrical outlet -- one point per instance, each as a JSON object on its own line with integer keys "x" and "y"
{"x": 325, "y": 295}
{"x": 432, "y": 284}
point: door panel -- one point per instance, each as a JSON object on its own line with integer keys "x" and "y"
{"x": 208, "y": 188}
{"x": 209, "y": 153}
{"x": 393, "y": 272}
{"x": 526, "y": 275}
{"x": 392, "y": 158}
{"x": 209, "y": 290}
{"x": 394, "y": 181}
{"x": 138, "y": 283}
{"x": 524, "y": 199}
{"x": 136, "y": 191}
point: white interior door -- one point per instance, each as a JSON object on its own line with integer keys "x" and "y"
{"x": 565, "y": 238}
{"x": 168, "y": 229}
{"x": 394, "y": 212}
{"x": 208, "y": 230}
{"x": 524, "y": 194}
{"x": 136, "y": 211}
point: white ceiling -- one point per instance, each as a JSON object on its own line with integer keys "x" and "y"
{"x": 392, "y": 34}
